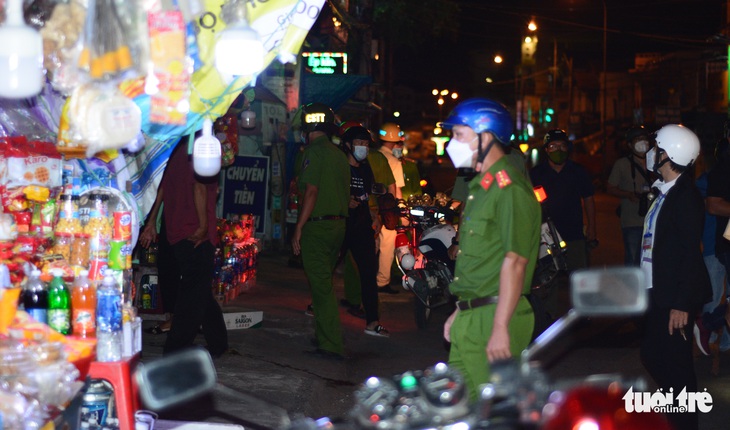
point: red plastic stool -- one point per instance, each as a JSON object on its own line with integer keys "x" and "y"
{"x": 126, "y": 393}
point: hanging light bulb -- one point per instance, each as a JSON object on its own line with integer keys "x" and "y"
{"x": 207, "y": 152}
{"x": 239, "y": 49}
{"x": 21, "y": 55}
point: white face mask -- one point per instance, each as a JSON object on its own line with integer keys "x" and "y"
{"x": 397, "y": 152}
{"x": 460, "y": 153}
{"x": 650, "y": 159}
{"x": 641, "y": 146}
{"x": 360, "y": 152}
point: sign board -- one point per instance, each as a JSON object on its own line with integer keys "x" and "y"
{"x": 326, "y": 63}
{"x": 246, "y": 189}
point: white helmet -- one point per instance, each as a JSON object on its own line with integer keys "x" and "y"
{"x": 679, "y": 142}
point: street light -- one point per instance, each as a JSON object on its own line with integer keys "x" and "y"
{"x": 441, "y": 94}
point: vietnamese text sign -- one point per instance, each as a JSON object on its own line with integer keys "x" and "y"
{"x": 245, "y": 189}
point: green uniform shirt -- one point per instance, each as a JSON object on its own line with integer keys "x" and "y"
{"x": 412, "y": 179}
{"x": 381, "y": 173}
{"x": 461, "y": 185}
{"x": 501, "y": 215}
{"x": 326, "y": 167}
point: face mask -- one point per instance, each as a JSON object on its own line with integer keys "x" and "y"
{"x": 398, "y": 152}
{"x": 460, "y": 153}
{"x": 360, "y": 152}
{"x": 641, "y": 147}
{"x": 651, "y": 160}
{"x": 558, "y": 157}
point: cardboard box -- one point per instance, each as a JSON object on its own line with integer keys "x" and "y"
{"x": 237, "y": 319}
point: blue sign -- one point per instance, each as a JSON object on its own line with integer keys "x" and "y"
{"x": 245, "y": 189}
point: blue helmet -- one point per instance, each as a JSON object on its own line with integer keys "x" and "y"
{"x": 482, "y": 115}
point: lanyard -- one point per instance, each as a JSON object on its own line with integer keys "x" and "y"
{"x": 653, "y": 211}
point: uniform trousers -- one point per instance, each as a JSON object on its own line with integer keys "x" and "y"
{"x": 320, "y": 244}
{"x": 470, "y": 334}
{"x": 387, "y": 255}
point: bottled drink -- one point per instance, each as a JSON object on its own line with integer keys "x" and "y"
{"x": 35, "y": 297}
{"x": 59, "y": 305}
{"x": 83, "y": 306}
{"x": 108, "y": 321}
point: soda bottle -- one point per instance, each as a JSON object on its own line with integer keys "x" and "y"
{"x": 108, "y": 320}
{"x": 35, "y": 297}
{"x": 59, "y": 305}
{"x": 83, "y": 306}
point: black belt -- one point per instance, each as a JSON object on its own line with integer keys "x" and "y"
{"x": 464, "y": 305}
{"x": 326, "y": 218}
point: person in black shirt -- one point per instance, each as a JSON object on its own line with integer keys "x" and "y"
{"x": 359, "y": 233}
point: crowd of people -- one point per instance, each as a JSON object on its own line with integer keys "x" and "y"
{"x": 673, "y": 216}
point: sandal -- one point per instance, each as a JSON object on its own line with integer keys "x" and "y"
{"x": 378, "y": 330}
{"x": 157, "y": 329}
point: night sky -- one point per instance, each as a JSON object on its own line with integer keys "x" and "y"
{"x": 487, "y": 27}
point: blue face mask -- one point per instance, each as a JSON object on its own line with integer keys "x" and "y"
{"x": 360, "y": 152}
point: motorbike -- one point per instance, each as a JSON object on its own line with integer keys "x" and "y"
{"x": 551, "y": 255}
{"x": 421, "y": 252}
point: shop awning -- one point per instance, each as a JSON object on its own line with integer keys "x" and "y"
{"x": 332, "y": 90}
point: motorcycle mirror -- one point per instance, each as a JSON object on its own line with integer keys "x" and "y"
{"x": 175, "y": 378}
{"x": 378, "y": 189}
{"x": 618, "y": 291}
{"x": 614, "y": 291}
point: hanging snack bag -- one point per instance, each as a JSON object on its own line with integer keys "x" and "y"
{"x": 171, "y": 69}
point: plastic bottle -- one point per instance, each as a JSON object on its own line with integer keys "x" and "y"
{"x": 35, "y": 297}
{"x": 108, "y": 321}
{"x": 59, "y": 305}
{"x": 83, "y": 306}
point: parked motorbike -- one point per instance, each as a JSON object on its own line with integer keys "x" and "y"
{"x": 422, "y": 245}
{"x": 551, "y": 255}
{"x": 520, "y": 394}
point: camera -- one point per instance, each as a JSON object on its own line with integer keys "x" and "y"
{"x": 644, "y": 203}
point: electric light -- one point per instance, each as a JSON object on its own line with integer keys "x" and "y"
{"x": 489, "y": 80}
{"x": 454, "y": 96}
{"x": 440, "y": 101}
{"x": 444, "y": 92}
{"x": 435, "y": 92}
{"x": 396, "y": 114}
{"x": 21, "y": 55}
{"x": 207, "y": 152}
{"x": 239, "y": 49}
{"x": 498, "y": 59}
{"x": 532, "y": 26}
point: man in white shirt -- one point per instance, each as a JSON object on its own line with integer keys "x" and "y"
{"x": 391, "y": 138}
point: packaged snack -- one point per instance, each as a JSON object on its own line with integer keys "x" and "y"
{"x": 80, "y": 249}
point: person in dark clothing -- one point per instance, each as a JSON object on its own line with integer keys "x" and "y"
{"x": 359, "y": 233}
{"x": 569, "y": 192}
{"x": 672, "y": 259}
{"x": 190, "y": 230}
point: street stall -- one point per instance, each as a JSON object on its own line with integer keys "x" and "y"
{"x": 94, "y": 95}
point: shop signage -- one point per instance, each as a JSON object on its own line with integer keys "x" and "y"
{"x": 246, "y": 189}
{"x": 326, "y": 63}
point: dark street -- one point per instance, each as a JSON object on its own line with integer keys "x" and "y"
{"x": 269, "y": 370}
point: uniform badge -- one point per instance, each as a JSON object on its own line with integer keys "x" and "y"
{"x": 503, "y": 179}
{"x": 487, "y": 181}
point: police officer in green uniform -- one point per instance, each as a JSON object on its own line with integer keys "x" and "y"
{"x": 324, "y": 183}
{"x": 499, "y": 238}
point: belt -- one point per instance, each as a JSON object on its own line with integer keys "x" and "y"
{"x": 478, "y": 302}
{"x": 326, "y": 218}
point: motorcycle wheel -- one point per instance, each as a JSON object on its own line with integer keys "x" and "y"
{"x": 421, "y": 312}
